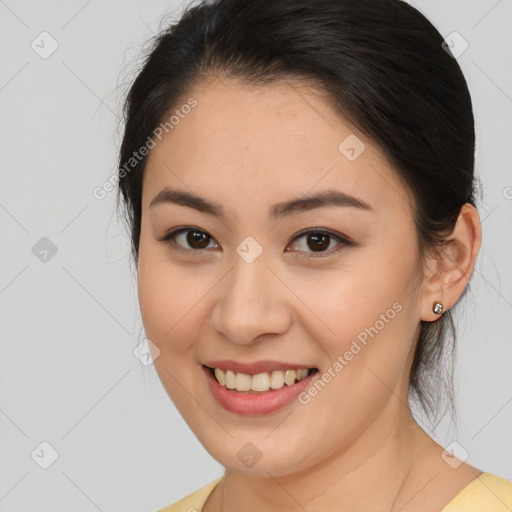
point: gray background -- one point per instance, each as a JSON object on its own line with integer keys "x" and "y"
{"x": 69, "y": 324}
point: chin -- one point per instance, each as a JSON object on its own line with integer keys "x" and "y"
{"x": 262, "y": 457}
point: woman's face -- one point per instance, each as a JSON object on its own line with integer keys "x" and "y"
{"x": 245, "y": 285}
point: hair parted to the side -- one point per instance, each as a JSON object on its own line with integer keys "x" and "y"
{"x": 382, "y": 66}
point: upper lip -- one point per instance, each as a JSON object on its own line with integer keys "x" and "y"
{"x": 255, "y": 367}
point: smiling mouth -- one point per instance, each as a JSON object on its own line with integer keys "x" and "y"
{"x": 261, "y": 382}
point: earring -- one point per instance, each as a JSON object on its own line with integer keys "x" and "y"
{"x": 437, "y": 307}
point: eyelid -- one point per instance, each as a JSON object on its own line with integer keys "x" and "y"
{"x": 342, "y": 240}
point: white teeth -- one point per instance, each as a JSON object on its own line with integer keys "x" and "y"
{"x": 277, "y": 379}
{"x": 243, "y": 382}
{"x": 230, "y": 379}
{"x": 260, "y": 382}
{"x": 289, "y": 377}
{"x": 220, "y": 376}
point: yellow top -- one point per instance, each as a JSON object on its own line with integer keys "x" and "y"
{"x": 487, "y": 493}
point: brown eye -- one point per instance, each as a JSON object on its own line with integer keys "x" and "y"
{"x": 319, "y": 241}
{"x": 188, "y": 239}
{"x": 197, "y": 239}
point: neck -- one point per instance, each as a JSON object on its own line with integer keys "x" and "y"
{"x": 367, "y": 475}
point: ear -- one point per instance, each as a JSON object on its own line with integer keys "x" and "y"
{"x": 447, "y": 274}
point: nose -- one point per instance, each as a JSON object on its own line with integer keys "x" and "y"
{"x": 251, "y": 303}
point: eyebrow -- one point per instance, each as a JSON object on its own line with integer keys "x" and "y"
{"x": 321, "y": 199}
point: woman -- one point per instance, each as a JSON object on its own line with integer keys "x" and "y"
{"x": 299, "y": 185}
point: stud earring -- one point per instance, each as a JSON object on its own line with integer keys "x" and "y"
{"x": 437, "y": 307}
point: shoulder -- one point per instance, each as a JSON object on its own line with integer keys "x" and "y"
{"x": 487, "y": 493}
{"x": 193, "y": 502}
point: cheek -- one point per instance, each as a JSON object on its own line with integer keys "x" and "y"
{"x": 367, "y": 352}
{"x": 168, "y": 314}
{"x": 364, "y": 312}
{"x": 166, "y": 303}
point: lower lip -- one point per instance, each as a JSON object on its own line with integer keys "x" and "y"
{"x": 261, "y": 403}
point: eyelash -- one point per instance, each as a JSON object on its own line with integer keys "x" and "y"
{"x": 343, "y": 241}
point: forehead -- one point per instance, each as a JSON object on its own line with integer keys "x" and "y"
{"x": 271, "y": 142}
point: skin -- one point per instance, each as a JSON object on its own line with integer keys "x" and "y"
{"x": 355, "y": 446}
